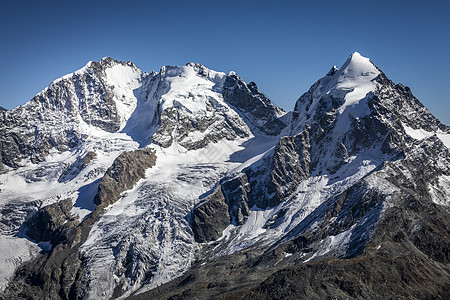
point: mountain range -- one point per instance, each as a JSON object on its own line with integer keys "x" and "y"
{"x": 189, "y": 183}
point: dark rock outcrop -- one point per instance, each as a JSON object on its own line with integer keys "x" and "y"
{"x": 51, "y": 222}
{"x": 87, "y": 159}
{"x": 277, "y": 176}
{"x": 52, "y": 274}
{"x": 364, "y": 278}
{"x": 253, "y": 104}
{"x": 210, "y": 218}
{"x": 126, "y": 170}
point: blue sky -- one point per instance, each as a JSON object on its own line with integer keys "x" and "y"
{"x": 284, "y": 46}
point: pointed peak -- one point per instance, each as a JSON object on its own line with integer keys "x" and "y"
{"x": 357, "y": 58}
{"x": 333, "y": 71}
{"x": 355, "y": 55}
{"x": 358, "y": 65}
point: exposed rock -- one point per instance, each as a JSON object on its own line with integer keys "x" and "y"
{"x": 364, "y": 278}
{"x": 126, "y": 170}
{"x": 51, "y": 275}
{"x": 210, "y": 218}
{"x": 176, "y": 125}
{"x": 237, "y": 192}
{"x": 49, "y": 222}
{"x": 397, "y": 100}
{"x": 253, "y": 105}
{"x": 291, "y": 164}
{"x": 74, "y": 169}
{"x": 85, "y": 94}
{"x": 87, "y": 159}
{"x": 270, "y": 184}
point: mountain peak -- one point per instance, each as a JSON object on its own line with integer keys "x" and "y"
{"x": 354, "y": 80}
{"x": 340, "y": 89}
{"x": 333, "y": 71}
{"x": 358, "y": 65}
{"x": 356, "y": 54}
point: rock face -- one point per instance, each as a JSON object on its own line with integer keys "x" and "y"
{"x": 189, "y": 108}
{"x": 347, "y": 196}
{"x": 253, "y": 104}
{"x": 56, "y": 116}
{"x": 211, "y": 218}
{"x": 52, "y": 274}
{"x": 126, "y": 170}
{"x": 46, "y": 224}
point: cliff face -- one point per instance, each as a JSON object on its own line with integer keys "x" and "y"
{"x": 126, "y": 170}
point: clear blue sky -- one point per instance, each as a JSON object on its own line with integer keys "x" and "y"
{"x": 284, "y": 46}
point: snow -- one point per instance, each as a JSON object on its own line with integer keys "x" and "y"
{"x": 125, "y": 80}
{"x": 444, "y": 137}
{"x": 353, "y": 84}
{"x": 420, "y": 134}
{"x": 40, "y": 185}
{"x": 84, "y": 203}
{"x": 151, "y": 216}
{"x": 440, "y": 191}
{"x": 336, "y": 243}
{"x": 355, "y": 79}
{"x": 189, "y": 91}
{"x": 310, "y": 194}
{"x": 252, "y": 151}
{"x": 13, "y": 252}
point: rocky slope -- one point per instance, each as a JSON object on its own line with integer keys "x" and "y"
{"x": 189, "y": 183}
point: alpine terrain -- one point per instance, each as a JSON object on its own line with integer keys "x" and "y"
{"x": 189, "y": 183}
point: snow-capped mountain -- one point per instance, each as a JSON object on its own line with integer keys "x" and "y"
{"x": 190, "y": 183}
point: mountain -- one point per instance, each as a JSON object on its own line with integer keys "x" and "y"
{"x": 189, "y": 183}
